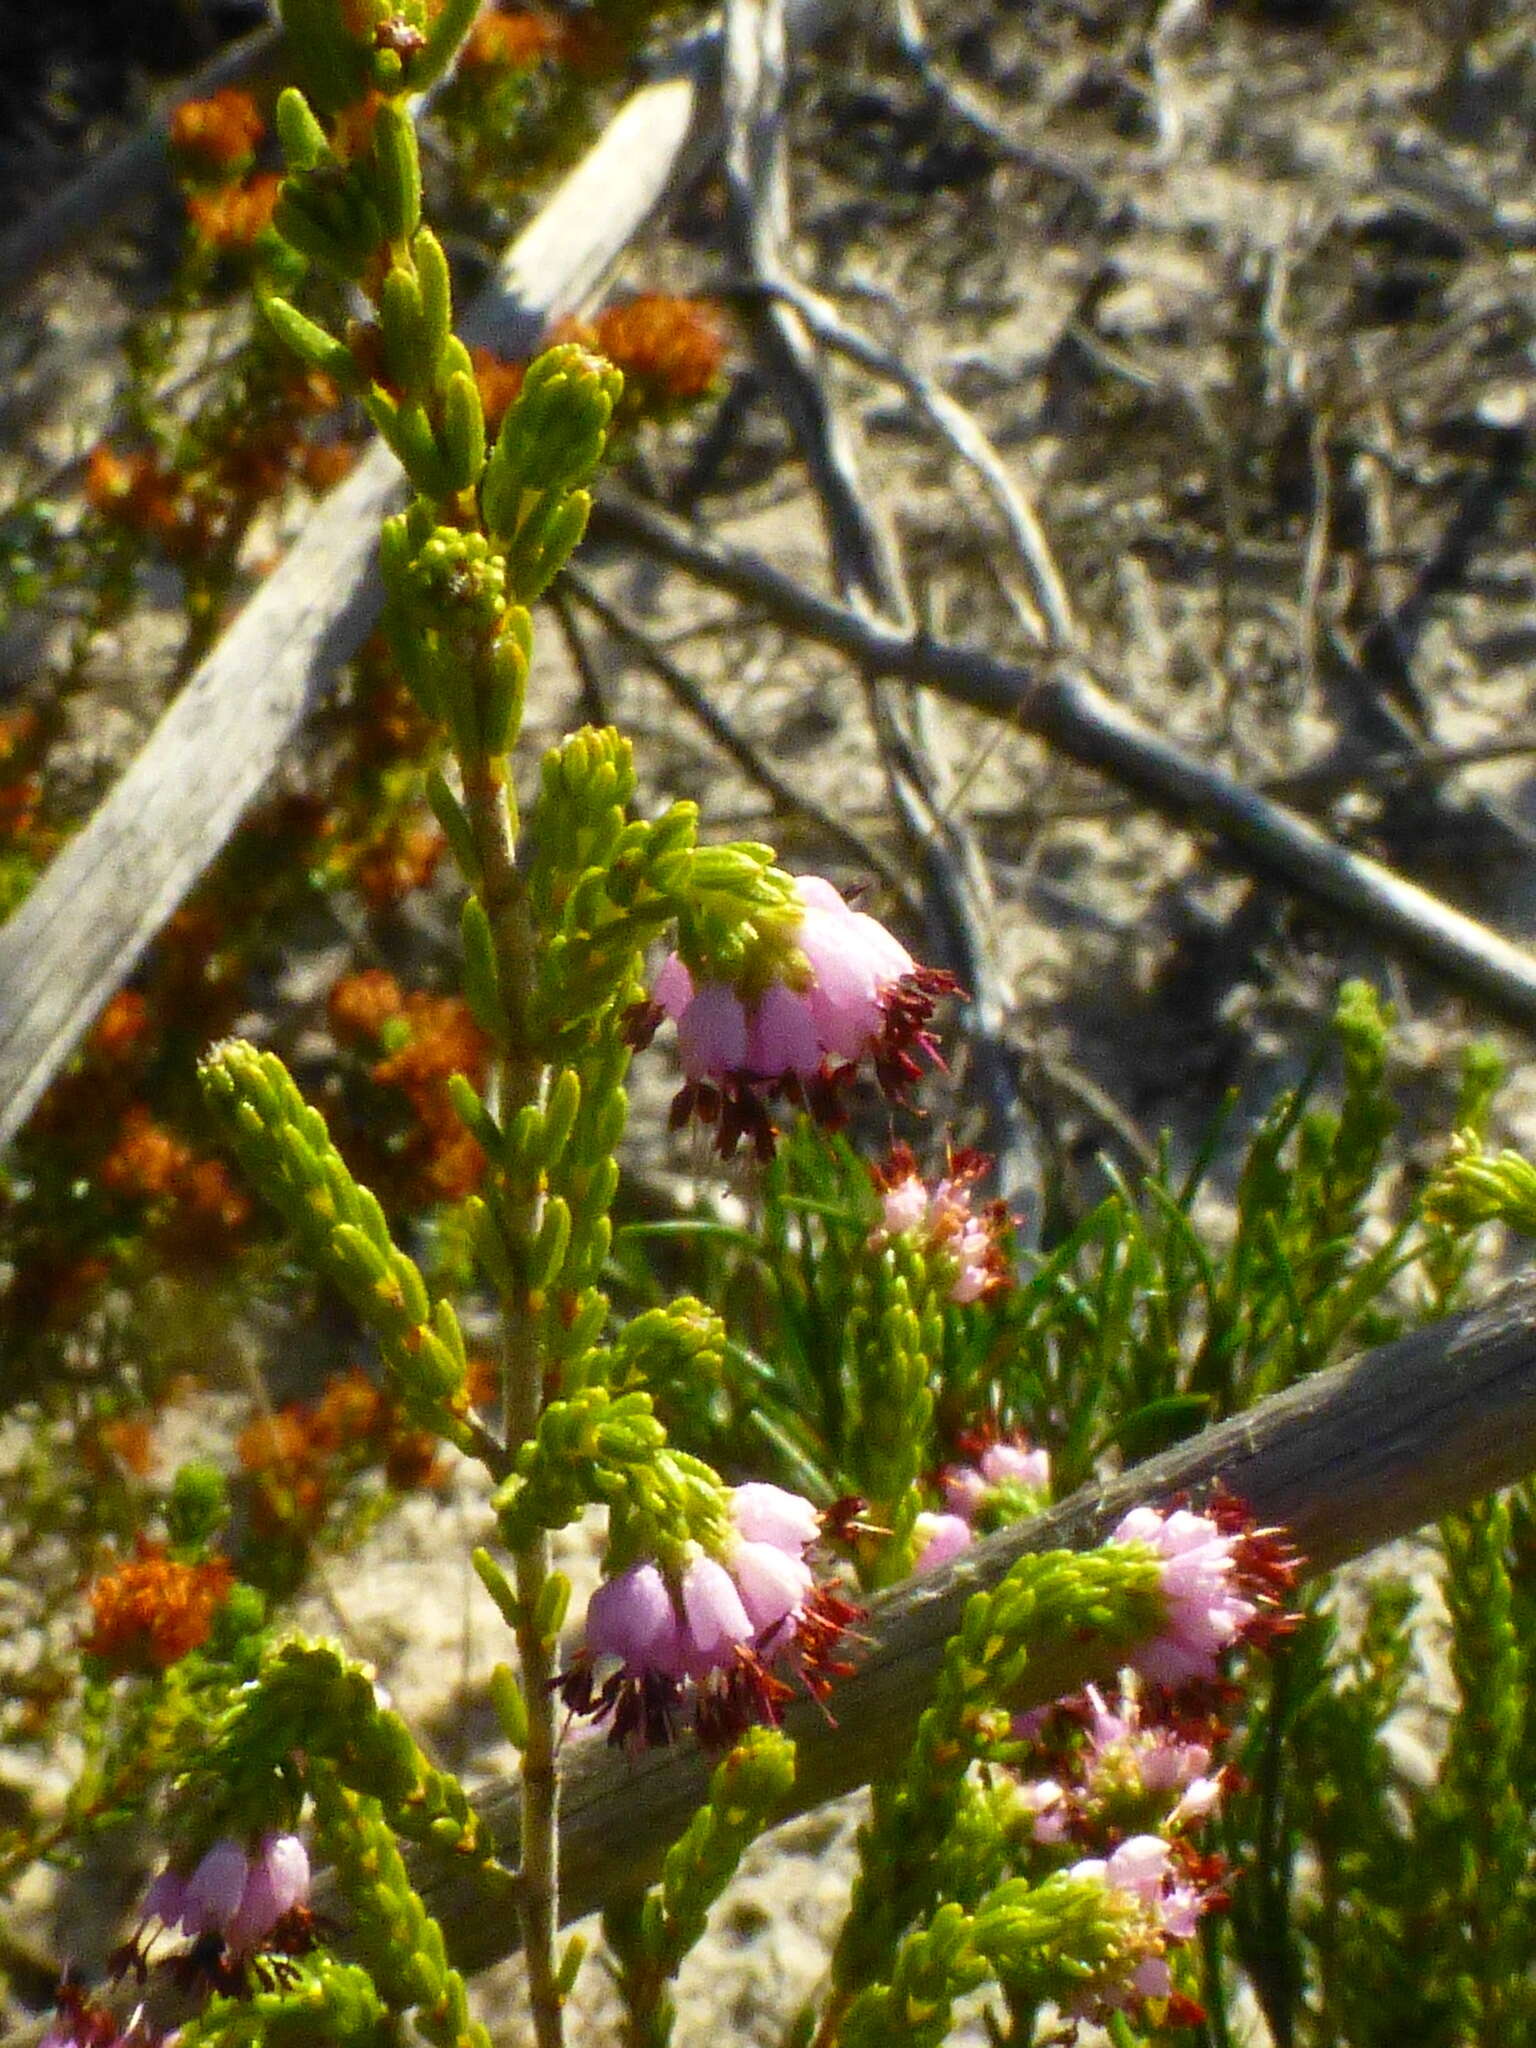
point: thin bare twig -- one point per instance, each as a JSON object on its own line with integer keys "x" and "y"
{"x": 731, "y": 740}
{"x": 948, "y": 93}
{"x": 1071, "y": 713}
{"x": 964, "y": 435}
{"x": 867, "y": 568}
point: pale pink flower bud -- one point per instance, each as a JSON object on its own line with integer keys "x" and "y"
{"x": 215, "y": 1889}
{"x": 904, "y": 1207}
{"x": 631, "y": 1617}
{"x": 854, "y": 964}
{"x": 1048, "y": 1808}
{"x": 771, "y": 1514}
{"x": 167, "y": 1898}
{"x": 781, "y": 1036}
{"x": 714, "y": 1619}
{"x": 1200, "y": 1798}
{"x": 712, "y": 1033}
{"x": 940, "y": 1537}
{"x": 279, "y": 1881}
{"x": 771, "y": 1583}
{"x": 1004, "y": 1464}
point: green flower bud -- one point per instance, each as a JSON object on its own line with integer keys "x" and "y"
{"x": 300, "y": 135}
{"x": 198, "y": 1507}
{"x": 396, "y": 171}
{"x": 309, "y": 342}
{"x": 553, "y": 435}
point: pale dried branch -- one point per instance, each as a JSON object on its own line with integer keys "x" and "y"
{"x": 961, "y": 431}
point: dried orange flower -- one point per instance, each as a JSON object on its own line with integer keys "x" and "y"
{"x": 403, "y": 858}
{"x": 499, "y": 383}
{"x": 20, "y": 802}
{"x": 512, "y": 42}
{"x": 235, "y": 215}
{"x": 146, "y": 1161}
{"x": 137, "y": 493}
{"x": 325, "y": 463}
{"x": 445, "y": 1039}
{"x": 153, "y": 1610}
{"x": 122, "y": 1445}
{"x": 360, "y": 1005}
{"x": 670, "y": 349}
{"x": 482, "y": 1382}
{"x": 217, "y": 136}
{"x": 17, "y": 730}
{"x": 211, "y": 1199}
{"x": 122, "y": 1026}
{"x": 300, "y": 1458}
{"x": 129, "y": 1439}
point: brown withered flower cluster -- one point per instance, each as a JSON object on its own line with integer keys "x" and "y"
{"x": 217, "y": 137}
{"x": 301, "y": 1457}
{"x": 148, "y": 1163}
{"x": 423, "y": 1038}
{"x": 152, "y": 1610}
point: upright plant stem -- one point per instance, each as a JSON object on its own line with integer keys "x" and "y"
{"x": 492, "y": 822}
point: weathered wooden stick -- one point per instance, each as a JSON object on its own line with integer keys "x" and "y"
{"x": 1346, "y": 1460}
{"x": 81, "y": 931}
{"x": 117, "y": 177}
{"x": 1071, "y": 713}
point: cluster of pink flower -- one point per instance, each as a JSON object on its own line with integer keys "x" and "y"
{"x": 1162, "y": 1907}
{"x": 944, "y": 1222}
{"x": 845, "y": 993}
{"x": 1208, "y": 1573}
{"x": 1144, "y": 1757}
{"x": 702, "y": 1642}
{"x": 1007, "y": 1480}
{"x": 1119, "y": 1766}
{"x": 243, "y": 1899}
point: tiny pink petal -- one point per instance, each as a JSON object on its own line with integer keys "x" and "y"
{"x": 712, "y": 1033}
{"x": 772, "y": 1514}
{"x": 631, "y": 1617}
{"x": 215, "y": 1889}
{"x": 942, "y": 1537}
